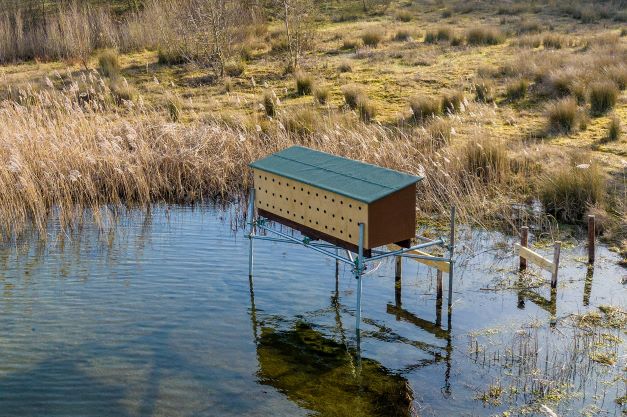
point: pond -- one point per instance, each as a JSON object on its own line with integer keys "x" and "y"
{"x": 156, "y": 316}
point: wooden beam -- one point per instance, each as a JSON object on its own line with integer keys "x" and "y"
{"x": 443, "y": 266}
{"x": 535, "y": 258}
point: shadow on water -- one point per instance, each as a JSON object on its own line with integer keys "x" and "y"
{"x": 324, "y": 376}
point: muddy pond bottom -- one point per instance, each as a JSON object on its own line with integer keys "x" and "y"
{"x": 155, "y": 315}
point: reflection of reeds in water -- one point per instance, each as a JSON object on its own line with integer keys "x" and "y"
{"x": 321, "y": 375}
{"x": 539, "y": 365}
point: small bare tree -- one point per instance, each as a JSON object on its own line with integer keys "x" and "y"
{"x": 214, "y": 25}
{"x": 297, "y": 16}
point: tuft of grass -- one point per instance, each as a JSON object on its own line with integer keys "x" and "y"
{"x": 614, "y": 128}
{"x": 484, "y": 90}
{"x": 563, "y": 115}
{"x": 122, "y": 91}
{"x": 372, "y": 38}
{"x": 227, "y": 84}
{"x": 109, "y": 63}
{"x": 304, "y": 84}
{"x": 402, "y": 35}
{"x": 366, "y": 108}
{"x": 440, "y": 34}
{"x": 302, "y": 121}
{"x": 351, "y": 44}
{"x": 556, "y": 41}
{"x": 269, "y": 103}
{"x": 424, "y": 107}
{"x": 171, "y": 56}
{"x": 452, "y": 101}
{"x": 571, "y": 190}
{"x": 173, "y": 106}
{"x": 345, "y": 66}
{"x": 528, "y": 41}
{"x": 603, "y": 96}
{"x": 517, "y": 89}
{"x": 618, "y": 74}
{"x": 440, "y": 130}
{"x": 321, "y": 93}
{"x": 234, "y": 68}
{"x": 403, "y": 16}
{"x": 352, "y": 94}
{"x": 487, "y": 159}
{"x": 484, "y": 36}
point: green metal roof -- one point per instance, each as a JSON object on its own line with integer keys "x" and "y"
{"x": 347, "y": 177}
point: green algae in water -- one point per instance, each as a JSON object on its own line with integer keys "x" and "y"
{"x": 324, "y": 376}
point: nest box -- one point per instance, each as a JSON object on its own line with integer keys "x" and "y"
{"x": 326, "y": 197}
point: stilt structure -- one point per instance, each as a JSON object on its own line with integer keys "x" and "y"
{"x": 338, "y": 203}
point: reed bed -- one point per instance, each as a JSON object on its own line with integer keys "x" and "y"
{"x": 79, "y": 149}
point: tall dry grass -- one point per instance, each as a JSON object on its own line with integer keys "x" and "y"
{"x": 73, "y": 30}
{"x": 65, "y": 151}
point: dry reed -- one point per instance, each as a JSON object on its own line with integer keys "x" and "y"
{"x": 62, "y": 153}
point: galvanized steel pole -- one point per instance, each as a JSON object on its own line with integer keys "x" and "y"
{"x": 451, "y": 249}
{"x": 251, "y": 230}
{"x": 358, "y": 274}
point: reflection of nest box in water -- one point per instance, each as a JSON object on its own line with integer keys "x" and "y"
{"x": 326, "y": 197}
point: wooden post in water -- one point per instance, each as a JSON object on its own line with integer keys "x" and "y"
{"x": 591, "y": 236}
{"x": 439, "y": 284}
{"x": 556, "y": 263}
{"x": 398, "y": 271}
{"x": 524, "y": 235}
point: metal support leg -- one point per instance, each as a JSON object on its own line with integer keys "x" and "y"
{"x": 451, "y": 249}
{"x": 359, "y": 262}
{"x": 251, "y": 230}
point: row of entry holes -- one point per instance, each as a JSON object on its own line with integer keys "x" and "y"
{"x": 302, "y": 217}
{"x": 350, "y": 205}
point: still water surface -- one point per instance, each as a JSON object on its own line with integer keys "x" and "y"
{"x": 157, "y": 317}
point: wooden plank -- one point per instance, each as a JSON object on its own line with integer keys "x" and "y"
{"x": 535, "y": 258}
{"x": 443, "y": 266}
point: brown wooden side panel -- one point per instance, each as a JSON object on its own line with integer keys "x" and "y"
{"x": 312, "y": 233}
{"x": 393, "y": 218}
